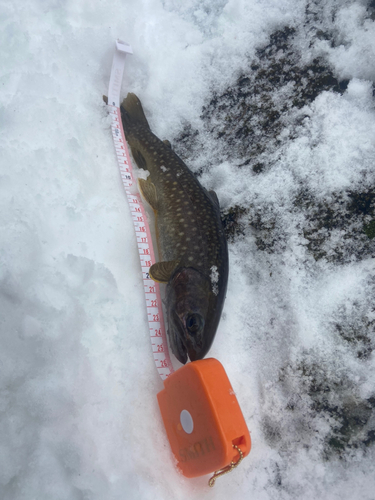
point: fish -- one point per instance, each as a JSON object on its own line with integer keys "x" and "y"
{"x": 192, "y": 246}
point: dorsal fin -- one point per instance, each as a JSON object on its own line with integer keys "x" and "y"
{"x": 214, "y": 197}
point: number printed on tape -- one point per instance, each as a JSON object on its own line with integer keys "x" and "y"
{"x": 145, "y": 249}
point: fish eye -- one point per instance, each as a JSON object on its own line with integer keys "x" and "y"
{"x": 194, "y": 323}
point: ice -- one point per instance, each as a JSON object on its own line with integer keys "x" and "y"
{"x": 78, "y": 411}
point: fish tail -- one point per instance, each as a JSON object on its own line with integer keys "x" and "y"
{"x": 132, "y": 113}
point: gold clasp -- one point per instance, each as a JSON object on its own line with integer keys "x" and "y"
{"x": 227, "y": 469}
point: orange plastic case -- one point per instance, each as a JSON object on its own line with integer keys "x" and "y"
{"x": 202, "y": 418}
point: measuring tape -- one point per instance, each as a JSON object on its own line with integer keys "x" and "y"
{"x": 142, "y": 230}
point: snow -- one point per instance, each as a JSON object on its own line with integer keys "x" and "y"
{"x": 78, "y": 411}
{"x": 214, "y": 277}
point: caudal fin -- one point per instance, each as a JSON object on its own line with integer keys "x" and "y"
{"x": 132, "y": 113}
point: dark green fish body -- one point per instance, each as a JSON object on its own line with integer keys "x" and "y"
{"x": 191, "y": 241}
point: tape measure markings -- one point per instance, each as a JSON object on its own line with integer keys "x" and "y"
{"x": 144, "y": 242}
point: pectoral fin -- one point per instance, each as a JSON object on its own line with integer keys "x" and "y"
{"x": 162, "y": 271}
{"x": 148, "y": 191}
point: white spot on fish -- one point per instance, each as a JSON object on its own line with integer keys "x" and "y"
{"x": 163, "y": 168}
{"x": 192, "y": 258}
{"x": 214, "y": 277}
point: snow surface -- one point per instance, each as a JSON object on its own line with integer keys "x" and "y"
{"x": 78, "y": 409}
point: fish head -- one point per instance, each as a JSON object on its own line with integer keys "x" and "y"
{"x": 191, "y": 312}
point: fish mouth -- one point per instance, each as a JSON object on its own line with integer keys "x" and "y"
{"x": 182, "y": 346}
{"x": 177, "y": 339}
{"x": 193, "y": 354}
{"x": 180, "y": 350}
{"x": 194, "y": 348}
{"x": 185, "y": 350}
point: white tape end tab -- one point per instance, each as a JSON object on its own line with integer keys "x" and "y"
{"x": 124, "y": 47}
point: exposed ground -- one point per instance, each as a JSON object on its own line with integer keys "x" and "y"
{"x": 247, "y": 122}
